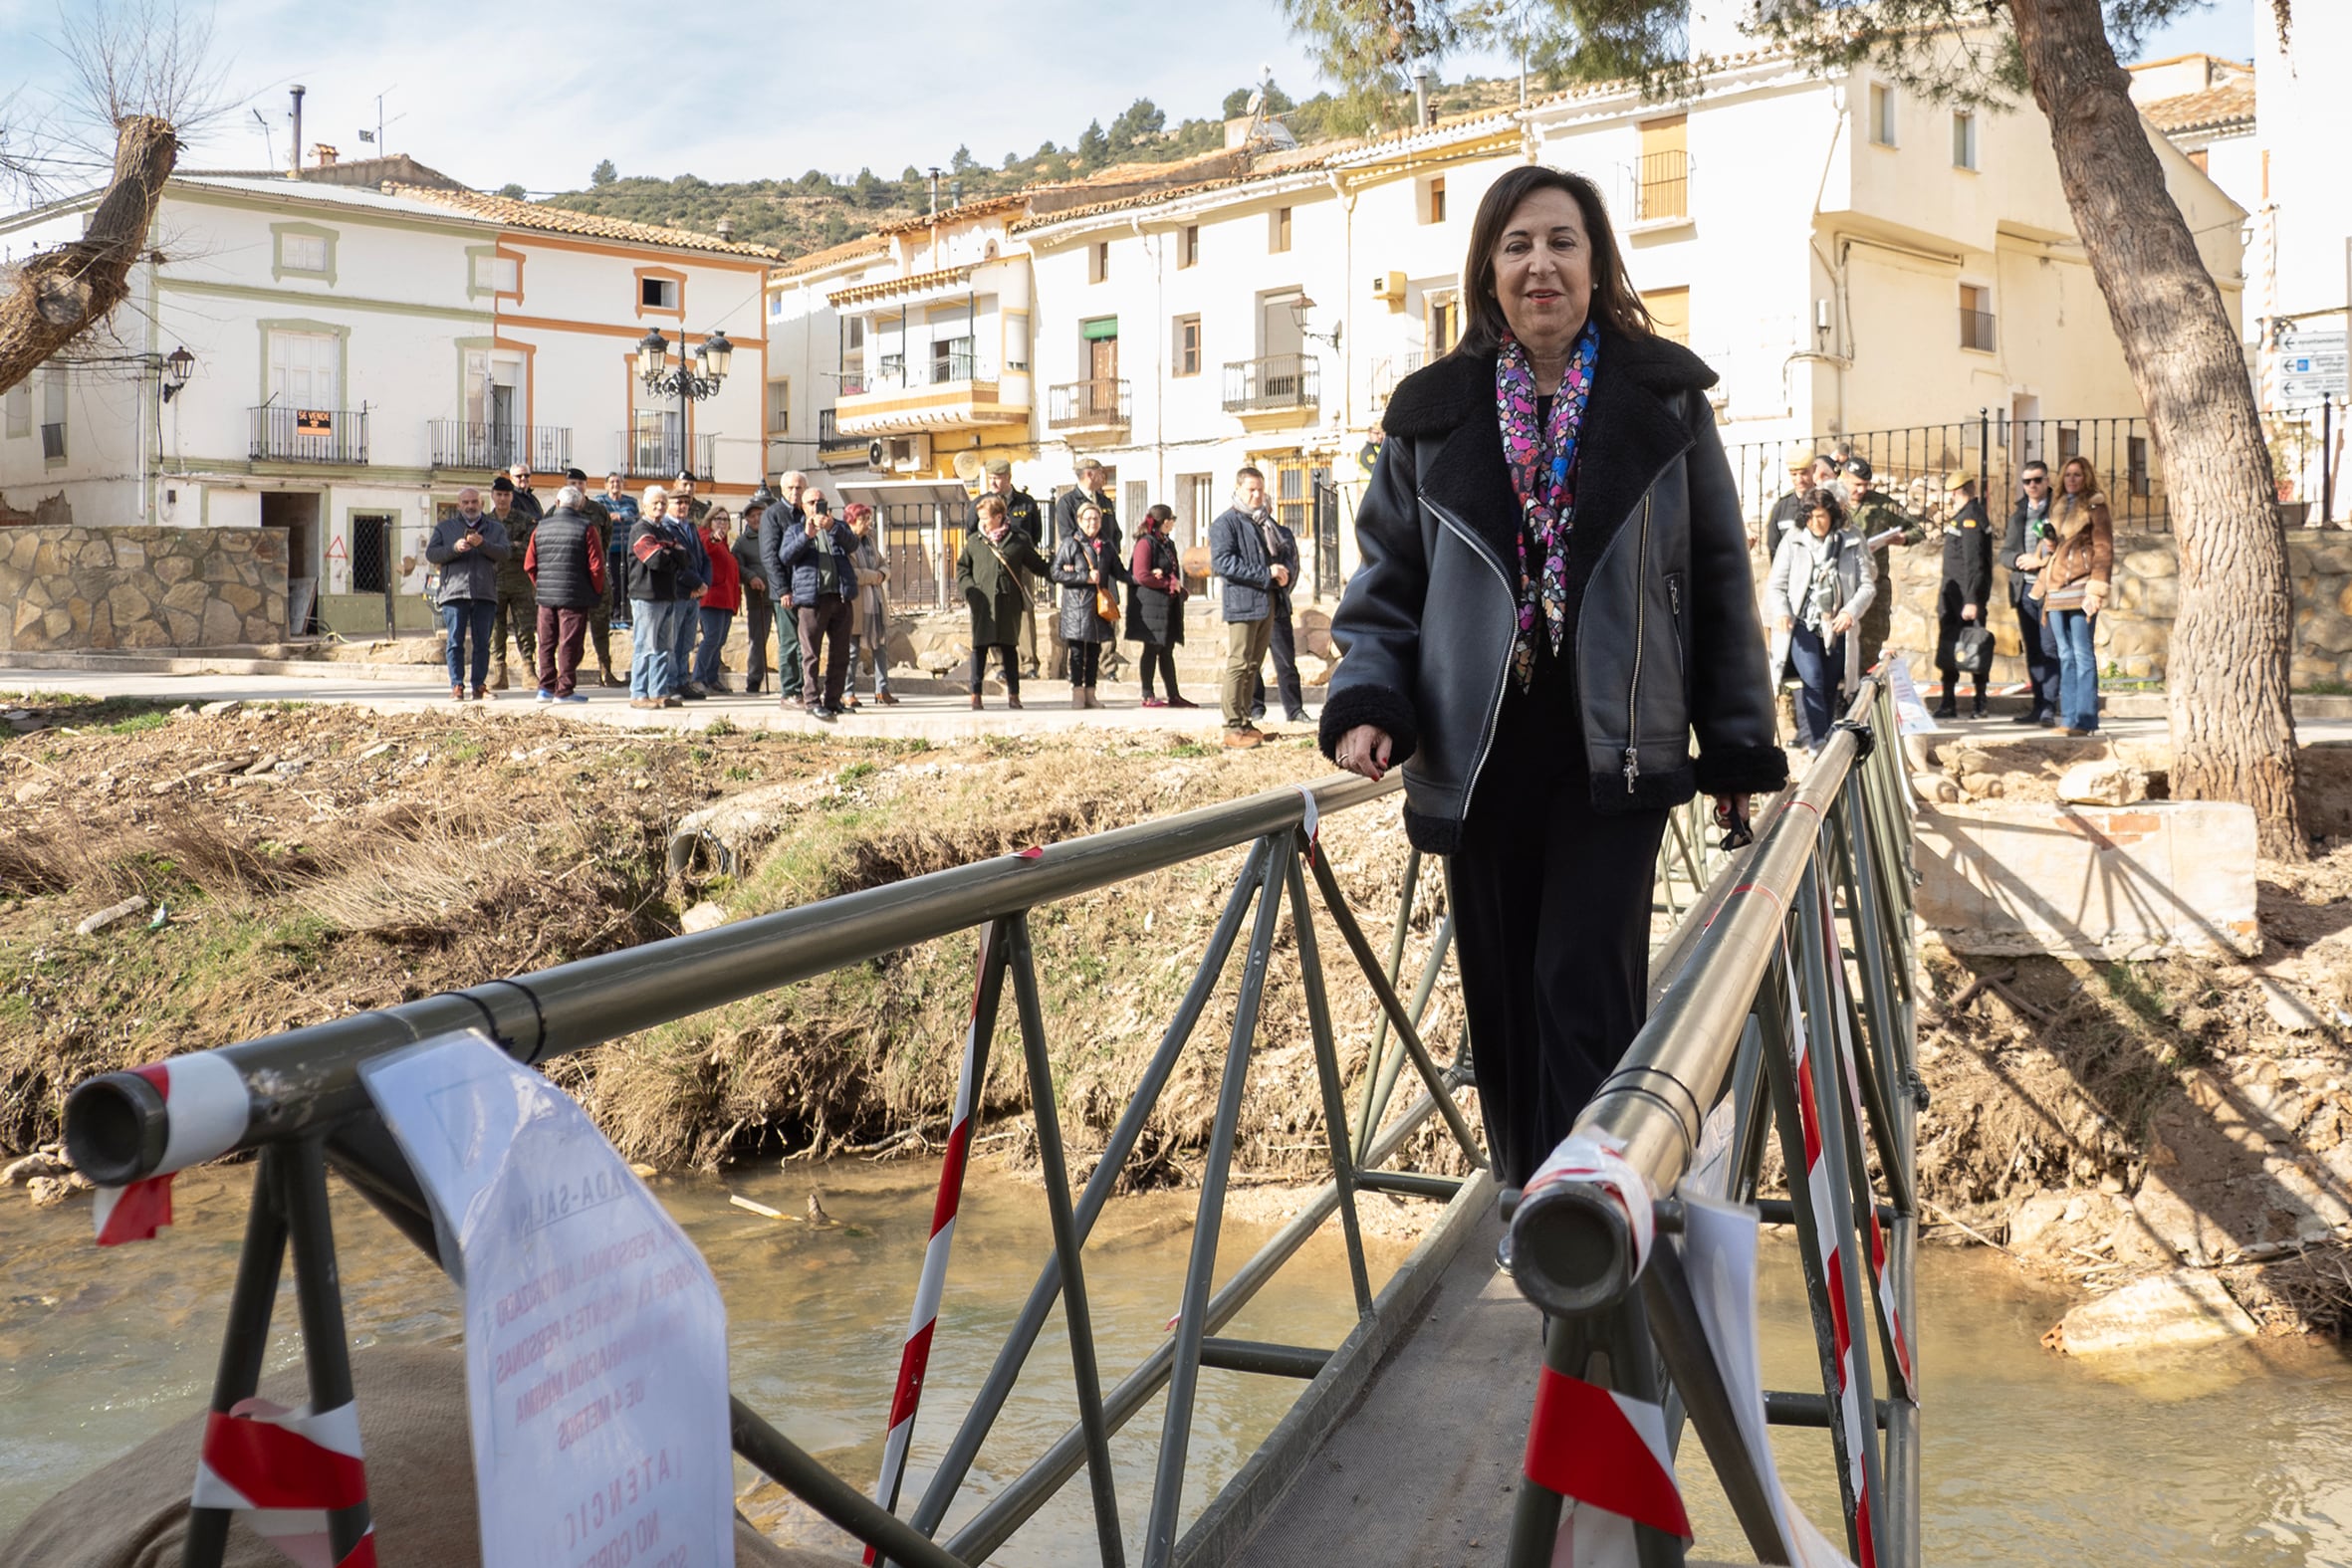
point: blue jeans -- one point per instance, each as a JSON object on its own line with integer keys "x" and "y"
{"x": 654, "y": 628}
{"x": 462, "y": 619}
{"x": 2041, "y": 654}
{"x": 1820, "y": 670}
{"x": 2079, "y": 669}
{"x": 682, "y": 633}
{"x": 715, "y": 624}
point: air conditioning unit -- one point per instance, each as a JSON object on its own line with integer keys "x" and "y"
{"x": 1390, "y": 286}
{"x": 909, "y": 454}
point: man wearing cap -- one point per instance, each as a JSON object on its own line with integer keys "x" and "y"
{"x": 1065, "y": 528}
{"x": 696, "y": 507}
{"x": 1807, "y": 472}
{"x": 518, "y": 606}
{"x": 1022, "y": 518}
{"x": 526, "y": 498}
{"x": 599, "y": 625}
{"x": 759, "y": 609}
{"x": 1873, "y": 513}
{"x": 1966, "y": 590}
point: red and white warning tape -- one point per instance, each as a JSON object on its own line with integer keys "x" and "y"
{"x": 287, "y": 1469}
{"x": 915, "y": 1357}
{"x": 1819, "y": 1194}
{"x": 1888, "y": 1302}
{"x": 205, "y": 1108}
{"x": 1607, "y": 1449}
{"x": 1583, "y": 1158}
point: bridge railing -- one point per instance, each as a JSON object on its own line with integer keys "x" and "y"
{"x": 1759, "y": 1024}
{"x": 301, "y": 1104}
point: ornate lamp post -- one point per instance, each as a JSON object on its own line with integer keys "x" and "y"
{"x": 688, "y": 382}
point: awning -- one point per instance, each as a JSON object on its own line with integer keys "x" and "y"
{"x": 879, "y": 494}
{"x": 1095, "y": 332}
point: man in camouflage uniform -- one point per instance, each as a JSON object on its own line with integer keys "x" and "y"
{"x": 601, "y": 613}
{"x": 518, "y": 604}
{"x": 1871, "y": 513}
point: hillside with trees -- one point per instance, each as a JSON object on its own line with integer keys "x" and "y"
{"x": 819, "y": 209}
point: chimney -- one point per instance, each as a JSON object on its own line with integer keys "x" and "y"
{"x": 1421, "y": 115}
{"x": 955, "y": 194}
{"x": 294, "y": 148}
{"x": 934, "y": 179}
{"x": 322, "y": 155}
{"x": 726, "y": 228}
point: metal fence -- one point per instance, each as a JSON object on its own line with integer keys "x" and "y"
{"x": 474, "y": 444}
{"x": 655, "y": 449}
{"x": 1912, "y": 464}
{"x": 1786, "y": 1002}
{"x": 1282, "y": 381}
{"x": 309, "y": 435}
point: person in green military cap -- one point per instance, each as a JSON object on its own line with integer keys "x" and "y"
{"x": 1873, "y": 513}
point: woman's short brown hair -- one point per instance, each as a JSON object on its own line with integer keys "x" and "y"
{"x": 1614, "y": 303}
{"x": 992, "y": 504}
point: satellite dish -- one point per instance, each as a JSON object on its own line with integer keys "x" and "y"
{"x": 1257, "y": 100}
{"x": 968, "y": 467}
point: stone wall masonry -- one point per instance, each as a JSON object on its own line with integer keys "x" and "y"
{"x": 71, "y": 589}
{"x": 2137, "y": 626}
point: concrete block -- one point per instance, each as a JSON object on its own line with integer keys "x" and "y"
{"x": 2078, "y": 881}
{"x": 2178, "y": 1311}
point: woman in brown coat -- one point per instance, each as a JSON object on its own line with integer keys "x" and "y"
{"x": 2073, "y": 588}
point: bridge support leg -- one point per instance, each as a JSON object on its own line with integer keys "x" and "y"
{"x": 317, "y": 1299}
{"x": 1326, "y": 1072}
{"x": 245, "y": 1343}
{"x": 1396, "y": 958}
{"x": 1612, "y": 1349}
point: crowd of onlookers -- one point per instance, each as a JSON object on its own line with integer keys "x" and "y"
{"x": 1827, "y": 602}
{"x": 552, "y": 578}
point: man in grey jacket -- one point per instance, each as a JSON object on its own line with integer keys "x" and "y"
{"x": 1237, "y": 553}
{"x": 469, "y": 549}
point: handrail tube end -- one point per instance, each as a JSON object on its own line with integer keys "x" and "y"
{"x": 1571, "y": 1250}
{"x": 116, "y": 1128}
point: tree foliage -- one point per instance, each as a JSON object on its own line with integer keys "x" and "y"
{"x": 603, "y": 173}
{"x": 1094, "y": 146}
{"x": 1139, "y": 122}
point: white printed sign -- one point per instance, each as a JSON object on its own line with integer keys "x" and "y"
{"x": 2311, "y": 368}
{"x": 596, "y": 1341}
{"x": 1911, "y": 714}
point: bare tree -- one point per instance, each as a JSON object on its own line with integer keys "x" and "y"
{"x": 137, "y": 75}
{"x": 2233, "y": 733}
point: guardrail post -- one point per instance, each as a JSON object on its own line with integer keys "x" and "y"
{"x": 1396, "y": 960}
{"x": 1054, "y": 1173}
{"x": 1192, "y": 1325}
{"x": 245, "y": 1343}
{"x": 1611, "y": 1348}
{"x": 1326, "y": 1072}
{"x": 317, "y": 1299}
{"x": 1393, "y": 1062}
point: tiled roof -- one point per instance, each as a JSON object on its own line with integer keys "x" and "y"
{"x": 509, "y": 213}
{"x": 859, "y": 293}
{"x": 833, "y": 256}
{"x": 2232, "y": 104}
{"x": 980, "y": 207}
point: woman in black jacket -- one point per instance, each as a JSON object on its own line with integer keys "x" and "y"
{"x": 1553, "y": 503}
{"x": 1156, "y": 610}
{"x": 1087, "y": 565}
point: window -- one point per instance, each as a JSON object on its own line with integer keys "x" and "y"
{"x": 1098, "y": 262}
{"x": 1882, "y": 114}
{"x": 1963, "y": 138}
{"x": 305, "y": 250}
{"x": 1196, "y": 503}
{"x": 657, "y": 293}
{"x": 1976, "y": 317}
{"x": 20, "y": 410}
{"x": 1017, "y": 343}
{"x": 1433, "y": 199}
{"x": 499, "y": 275}
{"x": 1443, "y": 324}
{"x": 856, "y": 339}
{"x": 1670, "y": 310}
{"x": 306, "y": 371}
{"x": 780, "y": 406}
{"x": 1662, "y": 188}
{"x": 1137, "y": 503}
{"x": 1278, "y": 230}
{"x": 1187, "y": 355}
{"x": 1188, "y": 246}
{"x": 952, "y": 359}
{"x": 53, "y": 414}
{"x": 371, "y": 536}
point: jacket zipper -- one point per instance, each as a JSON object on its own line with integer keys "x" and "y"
{"x": 1486, "y": 741}
{"x": 1641, "y": 608}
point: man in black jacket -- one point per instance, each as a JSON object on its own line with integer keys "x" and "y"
{"x": 2023, "y": 542}
{"x": 599, "y": 626}
{"x": 757, "y": 605}
{"x": 1808, "y": 473}
{"x": 775, "y": 525}
{"x": 565, "y": 560}
{"x": 1022, "y": 518}
{"x": 1281, "y": 550}
{"x": 1239, "y": 555}
{"x": 517, "y": 615}
{"x": 1966, "y": 592}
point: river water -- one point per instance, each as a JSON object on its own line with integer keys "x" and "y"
{"x": 2228, "y": 1457}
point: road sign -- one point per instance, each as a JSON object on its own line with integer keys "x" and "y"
{"x": 2311, "y": 368}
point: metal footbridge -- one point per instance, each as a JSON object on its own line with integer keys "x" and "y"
{"x": 1455, "y": 1422}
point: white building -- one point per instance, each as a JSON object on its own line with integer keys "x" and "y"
{"x": 359, "y": 354}
{"x": 2301, "y": 255}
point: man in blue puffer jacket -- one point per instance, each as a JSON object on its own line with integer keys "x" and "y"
{"x": 819, "y": 560}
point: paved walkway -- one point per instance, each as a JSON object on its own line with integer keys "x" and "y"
{"x": 931, "y": 717}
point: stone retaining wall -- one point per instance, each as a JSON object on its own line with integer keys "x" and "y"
{"x": 2137, "y": 626}
{"x": 65, "y": 588}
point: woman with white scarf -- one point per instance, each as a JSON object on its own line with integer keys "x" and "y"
{"x": 1821, "y": 582}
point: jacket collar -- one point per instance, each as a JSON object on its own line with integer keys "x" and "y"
{"x": 1630, "y": 434}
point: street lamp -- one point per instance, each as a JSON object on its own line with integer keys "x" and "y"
{"x": 177, "y": 365}
{"x": 1300, "y": 305}
{"x": 688, "y": 382}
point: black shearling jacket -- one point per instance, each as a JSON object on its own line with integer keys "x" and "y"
{"x": 1661, "y": 603}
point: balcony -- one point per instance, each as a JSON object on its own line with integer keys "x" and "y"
{"x": 1388, "y": 371}
{"x": 1083, "y": 409}
{"x": 836, "y": 449}
{"x": 1282, "y": 389}
{"x": 471, "y": 444}
{"x": 1662, "y": 189}
{"x": 950, "y": 389}
{"x": 653, "y": 450}
{"x": 1975, "y": 330}
{"x": 309, "y": 435}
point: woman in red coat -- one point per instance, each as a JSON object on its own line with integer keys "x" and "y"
{"x": 1155, "y": 611}
{"x": 719, "y": 602}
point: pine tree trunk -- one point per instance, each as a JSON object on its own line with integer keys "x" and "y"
{"x": 61, "y": 294}
{"x": 2233, "y": 731}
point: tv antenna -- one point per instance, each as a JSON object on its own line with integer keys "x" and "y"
{"x": 268, "y": 141}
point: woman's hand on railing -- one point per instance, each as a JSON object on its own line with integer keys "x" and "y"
{"x": 1364, "y": 750}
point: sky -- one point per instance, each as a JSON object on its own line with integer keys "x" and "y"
{"x": 537, "y": 93}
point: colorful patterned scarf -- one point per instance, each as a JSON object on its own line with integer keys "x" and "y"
{"x": 1543, "y": 463}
